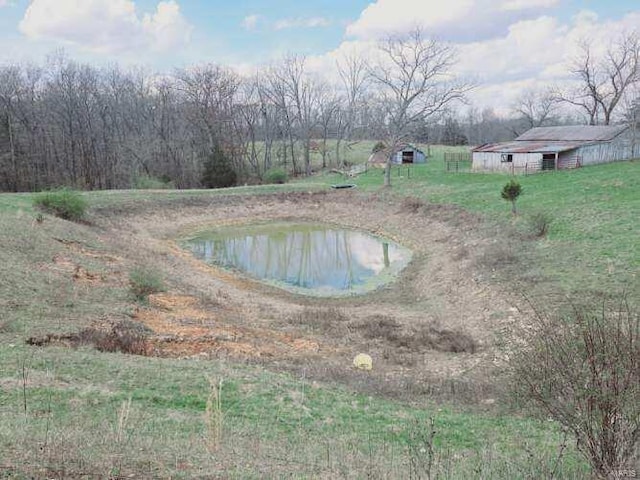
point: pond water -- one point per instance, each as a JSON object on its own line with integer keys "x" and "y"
{"x": 304, "y": 258}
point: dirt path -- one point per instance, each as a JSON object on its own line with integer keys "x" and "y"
{"x": 439, "y": 327}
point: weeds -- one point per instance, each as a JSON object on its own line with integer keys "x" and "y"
{"x": 125, "y": 337}
{"x": 144, "y": 282}
{"x": 539, "y": 224}
{"x": 275, "y": 175}
{"x": 417, "y": 338}
{"x": 412, "y": 204}
{"x": 148, "y": 182}
{"x": 421, "y": 449}
{"x": 214, "y": 416}
{"x": 498, "y": 255}
{"x": 63, "y": 203}
{"x": 323, "y": 320}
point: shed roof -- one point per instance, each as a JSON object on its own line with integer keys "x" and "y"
{"x": 580, "y": 133}
{"x": 408, "y": 146}
{"x": 381, "y": 155}
{"x": 529, "y": 147}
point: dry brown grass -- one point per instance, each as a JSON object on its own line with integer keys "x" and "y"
{"x": 124, "y": 336}
{"x": 418, "y": 337}
{"x": 321, "y": 320}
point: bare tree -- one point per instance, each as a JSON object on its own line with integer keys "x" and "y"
{"x": 602, "y": 83}
{"x": 535, "y": 108}
{"x": 352, "y": 69}
{"x": 415, "y": 81}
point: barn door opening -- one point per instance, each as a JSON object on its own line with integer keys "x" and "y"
{"x": 549, "y": 161}
{"x": 407, "y": 156}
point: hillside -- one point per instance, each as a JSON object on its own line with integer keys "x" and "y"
{"x": 236, "y": 379}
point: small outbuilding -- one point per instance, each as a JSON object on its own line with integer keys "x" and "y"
{"x": 404, "y": 154}
{"x": 554, "y": 148}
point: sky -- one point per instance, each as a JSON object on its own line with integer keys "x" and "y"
{"x": 504, "y": 46}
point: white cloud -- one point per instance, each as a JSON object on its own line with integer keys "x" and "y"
{"x": 106, "y": 26}
{"x": 250, "y": 22}
{"x": 388, "y": 16}
{"x": 166, "y": 28}
{"x": 453, "y": 20}
{"x": 312, "y": 22}
{"x": 526, "y": 4}
{"x": 531, "y": 49}
{"x": 535, "y": 53}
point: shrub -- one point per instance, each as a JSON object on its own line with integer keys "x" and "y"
{"x": 275, "y": 175}
{"x": 125, "y": 336}
{"x": 64, "y": 203}
{"x": 145, "y": 281}
{"x": 148, "y": 182}
{"x": 583, "y": 370}
{"x": 539, "y": 224}
{"x": 218, "y": 171}
{"x": 510, "y": 192}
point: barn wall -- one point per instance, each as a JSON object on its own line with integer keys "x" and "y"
{"x": 620, "y": 148}
{"x": 492, "y": 161}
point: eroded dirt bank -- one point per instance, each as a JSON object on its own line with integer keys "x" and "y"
{"x": 441, "y": 327}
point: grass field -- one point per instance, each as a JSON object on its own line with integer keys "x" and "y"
{"x": 592, "y": 244}
{"x": 77, "y": 412}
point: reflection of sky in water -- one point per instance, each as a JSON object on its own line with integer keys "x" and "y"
{"x": 302, "y": 256}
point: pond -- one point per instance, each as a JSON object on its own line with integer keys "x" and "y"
{"x": 312, "y": 259}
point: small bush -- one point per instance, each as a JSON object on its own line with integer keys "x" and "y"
{"x": 144, "y": 282}
{"x": 510, "y": 192}
{"x": 539, "y": 224}
{"x": 63, "y": 203}
{"x": 147, "y": 182}
{"x": 275, "y": 175}
{"x": 125, "y": 336}
{"x": 583, "y": 370}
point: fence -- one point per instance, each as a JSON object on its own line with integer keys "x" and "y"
{"x": 457, "y": 161}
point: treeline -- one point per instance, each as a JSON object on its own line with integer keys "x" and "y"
{"x": 67, "y": 123}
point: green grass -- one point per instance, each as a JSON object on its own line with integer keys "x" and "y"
{"x": 74, "y": 398}
{"x": 64, "y": 203}
{"x": 593, "y": 242}
{"x": 276, "y": 425}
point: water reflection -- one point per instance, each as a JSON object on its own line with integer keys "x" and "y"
{"x": 301, "y": 255}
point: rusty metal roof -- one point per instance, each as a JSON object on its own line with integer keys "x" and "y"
{"x": 579, "y": 133}
{"x": 529, "y": 147}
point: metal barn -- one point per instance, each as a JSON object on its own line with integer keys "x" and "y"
{"x": 405, "y": 154}
{"x": 554, "y": 148}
